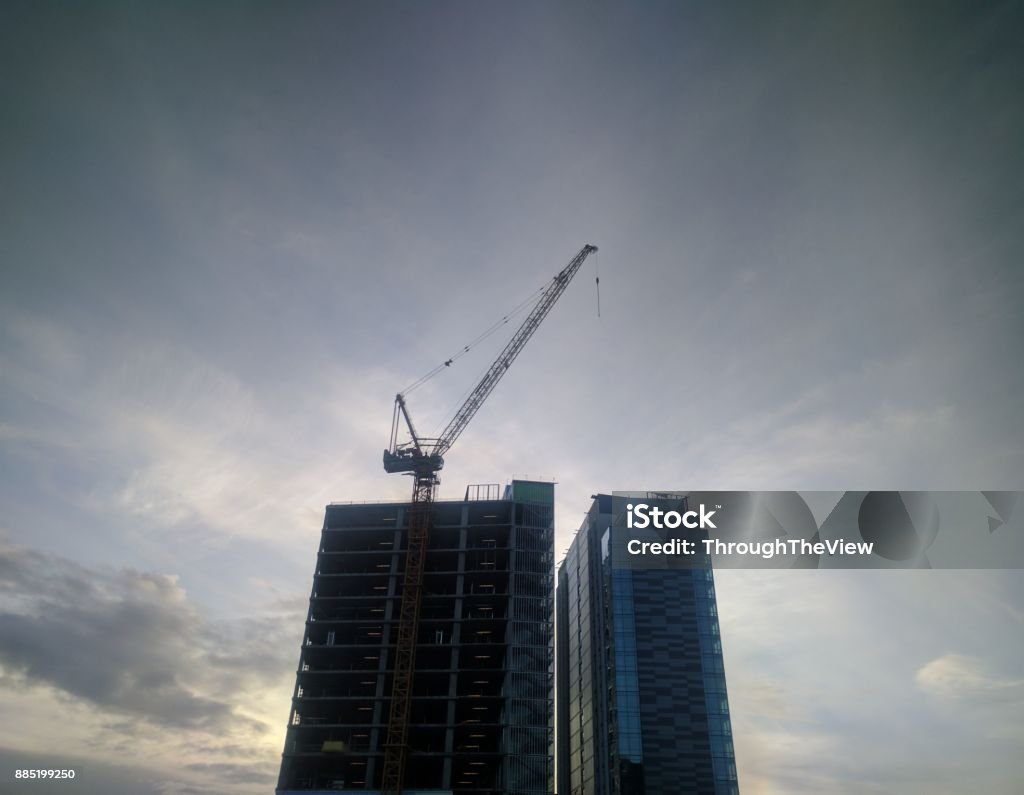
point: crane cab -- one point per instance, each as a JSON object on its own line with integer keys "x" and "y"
{"x": 408, "y": 460}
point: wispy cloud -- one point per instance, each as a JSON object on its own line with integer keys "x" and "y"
{"x": 844, "y": 714}
{"x": 966, "y": 688}
{"x": 186, "y": 444}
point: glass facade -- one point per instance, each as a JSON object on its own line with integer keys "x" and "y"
{"x": 647, "y": 708}
{"x": 624, "y": 699}
{"x": 582, "y": 673}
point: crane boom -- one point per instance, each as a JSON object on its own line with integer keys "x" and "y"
{"x": 491, "y": 378}
{"x": 423, "y": 459}
{"x": 409, "y": 457}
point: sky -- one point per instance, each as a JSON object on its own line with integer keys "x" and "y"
{"x": 231, "y": 232}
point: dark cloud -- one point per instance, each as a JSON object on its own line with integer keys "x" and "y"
{"x": 128, "y": 641}
{"x": 95, "y": 776}
{"x": 262, "y": 646}
{"x": 92, "y": 776}
{"x": 241, "y": 774}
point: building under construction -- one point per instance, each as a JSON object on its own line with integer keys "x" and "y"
{"x": 480, "y": 717}
{"x": 427, "y": 660}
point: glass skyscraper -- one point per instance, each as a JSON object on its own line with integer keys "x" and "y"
{"x": 642, "y": 707}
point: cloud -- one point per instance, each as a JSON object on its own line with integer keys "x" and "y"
{"x": 131, "y": 664}
{"x": 92, "y": 776}
{"x": 968, "y": 690}
{"x": 813, "y": 285}
{"x": 962, "y": 678}
{"x": 159, "y": 436}
{"x": 130, "y": 775}
{"x": 230, "y": 772}
{"x": 130, "y": 643}
{"x": 854, "y": 710}
{"x": 124, "y": 641}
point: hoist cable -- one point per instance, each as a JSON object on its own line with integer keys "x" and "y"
{"x": 528, "y": 301}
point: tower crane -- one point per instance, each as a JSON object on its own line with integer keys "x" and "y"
{"x": 423, "y": 458}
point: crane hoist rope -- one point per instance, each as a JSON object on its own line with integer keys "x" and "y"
{"x": 423, "y": 458}
{"x": 520, "y": 307}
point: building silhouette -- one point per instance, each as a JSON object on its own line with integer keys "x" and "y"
{"x": 482, "y": 704}
{"x": 642, "y": 707}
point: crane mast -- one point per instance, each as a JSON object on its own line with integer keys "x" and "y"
{"x": 423, "y": 458}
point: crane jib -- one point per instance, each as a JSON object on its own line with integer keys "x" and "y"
{"x": 490, "y": 379}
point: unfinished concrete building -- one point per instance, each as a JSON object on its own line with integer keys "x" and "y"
{"x": 482, "y": 700}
